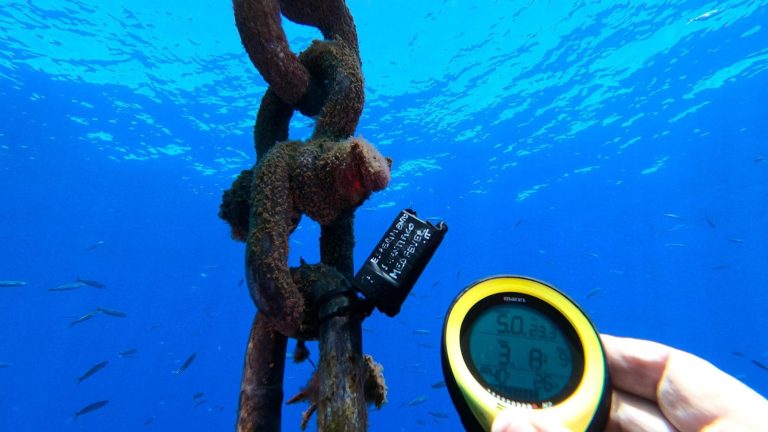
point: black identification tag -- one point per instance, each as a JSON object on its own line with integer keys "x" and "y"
{"x": 395, "y": 264}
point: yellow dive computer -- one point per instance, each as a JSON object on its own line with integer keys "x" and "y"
{"x": 511, "y": 341}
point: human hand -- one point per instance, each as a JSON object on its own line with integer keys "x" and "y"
{"x": 660, "y": 388}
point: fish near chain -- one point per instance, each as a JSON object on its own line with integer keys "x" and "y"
{"x": 374, "y": 389}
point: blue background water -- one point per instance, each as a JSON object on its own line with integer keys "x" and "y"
{"x": 582, "y": 143}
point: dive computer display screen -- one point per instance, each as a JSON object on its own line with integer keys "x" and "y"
{"x": 522, "y": 349}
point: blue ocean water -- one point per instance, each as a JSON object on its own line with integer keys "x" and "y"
{"x": 614, "y": 149}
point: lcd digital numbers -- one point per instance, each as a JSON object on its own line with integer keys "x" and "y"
{"x": 520, "y": 353}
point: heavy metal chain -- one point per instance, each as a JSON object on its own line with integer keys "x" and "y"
{"x": 325, "y": 178}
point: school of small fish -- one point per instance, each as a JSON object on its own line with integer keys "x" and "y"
{"x": 681, "y": 224}
{"x": 78, "y": 284}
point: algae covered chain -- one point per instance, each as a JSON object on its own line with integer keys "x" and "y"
{"x": 324, "y": 178}
{"x": 512, "y": 341}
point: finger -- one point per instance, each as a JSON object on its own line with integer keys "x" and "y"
{"x": 694, "y": 395}
{"x": 631, "y": 413}
{"x": 521, "y": 420}
{"x": 636, "y": 366}
{"x": 511, "y": 422}
{"x": 728, "y": 425}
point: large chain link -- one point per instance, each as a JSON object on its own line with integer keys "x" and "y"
{"x": 261, "y": 32}
{"x": 325, "y": 178}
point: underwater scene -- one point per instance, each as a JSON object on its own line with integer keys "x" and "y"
{"x": 615, "y": 150}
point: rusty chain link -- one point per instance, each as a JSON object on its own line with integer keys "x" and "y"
{"x": 262, "y": 35}
{"x": 325, "y": 178}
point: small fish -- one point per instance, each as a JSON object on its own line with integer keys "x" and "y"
{"x": 594, "y": 292}
{"x": 97, "y": 367}
{"x": 112, "y": 312}
{"x": 423, "y": 345}
{"x": 314, "y": 366}
{"x": 68, "y": 286}
{"x": 760, "y": 365}
{"x": 186, "y": 364}
{"x": 421, "y": 332}
{"x": 418, "y": 401}
{"x": 675, "y": 245}
{"x": 198, "y": 395}
{"x": 92, "y": 283}
{"x": 705, "y": 16}
{"x": 91, "y": 408}
{"x": 12, "y": 284}
{"x": 83, "y": 318}
{"x": 710, "y": 222}
{"x": 128, "y": 353}
{"x": 677, "y": 227}
{"x": 721, "y": 267}
{"x": 240, "y": 283}
{"x": 738, "y": 353}
{"x": 438, "y": 414}
{"x": 4, "y": 365}
{"x": 434, "y": 285}
{"x": 735, "y": 240}
{"x": 673, "y": 216}
{"x": 759, "y": 159}
{"x": 519, "y": 221}
{"x": 149, "y": 421}
{"x": 201, "y": 402}
{"x": 439, "y": 384}
{"x": 95, "y": 245}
